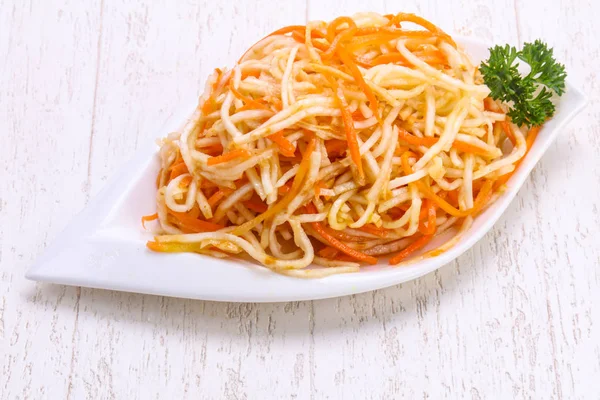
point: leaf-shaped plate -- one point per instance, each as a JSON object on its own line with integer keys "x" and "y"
{"x": 104, "y": 246}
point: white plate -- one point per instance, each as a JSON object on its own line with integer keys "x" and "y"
{"x": 104, "y": 246}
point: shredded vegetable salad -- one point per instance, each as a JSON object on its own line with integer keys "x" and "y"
{"x": 330, "y": 145}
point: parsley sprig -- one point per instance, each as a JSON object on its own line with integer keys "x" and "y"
{"x": 529, "y": 96}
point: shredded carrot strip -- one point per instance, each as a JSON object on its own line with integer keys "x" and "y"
{"x": 281, "y": 31}
{"x": 276, "y": 103}
{"x": 249, "y": 72}
{"x": 415, "y": 140}
{"x": 391, "y": 30}
{"x": 285, "y": 188}
{"x": 301, "y": 38}
{"x": 246, "y": 107}
{"x": 400, "y": 150}
{"x": 453, "y": 197}
{"x": 316, "y": 33}
{"x": 370, "y": 30}
{"x": 206, "y": 184}
{"x": 194, "y": 212}
{"x": 414, "y": 246}
{"x": 287, "y": 29}
{"x": 374, "y": 230}
{"x": 483, "y": 197}
{"x": 215, "y": 149}
{"x": 218, "y": 196}
{"x": 285, "y": 146}
{"x": 172, "y": 247}
{"x": 195, "y": 225}
{"x": 468, "y": 148}
{"x": 358, "y": 116}
{"x": 398, "y": 211}
{"x": 158, "y": 178}
{"x": 336, "y": 243}
{"x": 240, "y": 182}
{"x": 328, "y": 252}
{"x": 318, "y": 186}
{"x": 377, "y": 39}
{"x": 427, "y": 226}
{"x": 351, "y": 136}
{"x": 415, "y": 19}
{"x": 432, "y": 57}
{"x": 185, "y": 182}
{"x": 430, "y": 141}
{"x": 336, "y": 44}
{"x": 209, "y": 104}
{"x": 343, "y": 236}
{"x": 481, "y": 200}
{"x": 424, "y": 211}
{"x": 177, "y": 170}
{"x": 178, "y": 158}
{"x": 396, "y": 58}
{"x": 240, "y": 153}
{"x": 333, "y": 25}
{"x": 509, "y": 132}
{"x": 256, "y": 206}
{"x": 490, "y": 105}
{"x": 147, "y": 218}
{"x": 247, "y": 100}
{"x": 360, "y": 81}
{"x": 335, "y": 147}
{"x": 390, "y": 18}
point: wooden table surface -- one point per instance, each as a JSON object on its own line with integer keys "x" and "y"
{"x": 83, "y": 84}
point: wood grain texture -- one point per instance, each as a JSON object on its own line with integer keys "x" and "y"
{"x": 83, "y": 84}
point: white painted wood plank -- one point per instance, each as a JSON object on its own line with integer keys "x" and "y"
{"x": 516, "y": 317}
{"x": 47, "y": 74}
{"x": 565, "y": 223}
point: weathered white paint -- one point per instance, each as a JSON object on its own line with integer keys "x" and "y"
{"x": 82, "y": 84}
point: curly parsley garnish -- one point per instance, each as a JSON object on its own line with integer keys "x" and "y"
{"x": 529, "y": 96}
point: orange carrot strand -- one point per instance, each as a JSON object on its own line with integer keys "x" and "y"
{"x": 177, "y": 170}
{"x": 147, "y": 218}
{"x": 328, "y": 252}
{"x": 251, "y": 103}
{"x": 333, "y": 25}
{"x": 428, "y": 226}
{"x": 413, "y": 247}
{"x": 218, "y": 196}
{"x": 256, "y": 206}
{"x": 508, "y": 131}
{"x": 404, "y": 17}
{"x": 240, "y": 153}
{"x": 374, "y": 230}
{"x": 336, "y": 243}
{"x": 191, "y": 224}
{"x": 430, "y": 141}
{"x": 285, "y": 146}
{"x": 360, "y": 81}
{"x": 351, "y": 136}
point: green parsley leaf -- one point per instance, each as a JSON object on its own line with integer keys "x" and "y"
{"x": 530, "y": 96}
